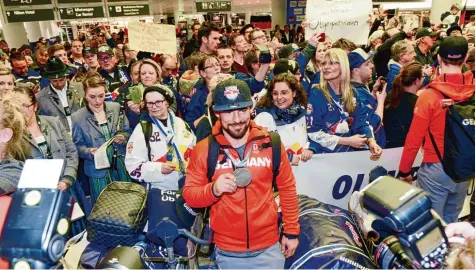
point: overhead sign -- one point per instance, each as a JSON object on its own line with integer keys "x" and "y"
{"x": 78, "y": 1}
{"x": 153, "y": 38}
{"x": 213, "y": 6}
{"x": 81, "y": 13}
{"x": 339, "y": 19}
{"x": 9, "y": 3}
{"x": 30, "y": 15}
{"x": 129, "y": 10}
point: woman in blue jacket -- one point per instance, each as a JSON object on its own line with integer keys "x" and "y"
{"x": 94, "y": 125}
{"x": 336, "y": 121}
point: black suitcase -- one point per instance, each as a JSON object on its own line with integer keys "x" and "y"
{"x": 36, "y": 228}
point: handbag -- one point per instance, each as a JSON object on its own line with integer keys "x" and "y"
{"x": 119, "y": 215}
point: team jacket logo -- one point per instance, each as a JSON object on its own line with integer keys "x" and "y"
{"x": 309, "y": 109}
{"x": 252, "y": 162}
{"x": 231, "y": 92}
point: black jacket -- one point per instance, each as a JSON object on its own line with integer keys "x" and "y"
{"x": 384, "y": 53}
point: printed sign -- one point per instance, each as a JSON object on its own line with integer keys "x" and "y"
{"x": 30, "y": 15}
{"x": 81, "y": 13}
{"x": 213, "y": 6}
{"x": 296, "y": 12}
{"x": 153, "y": 38}
{"x": 9, "y": 3}
{"x": 339, "y": 19}
{"x": 129, "y": 10}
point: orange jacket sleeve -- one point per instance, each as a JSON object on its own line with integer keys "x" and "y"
{"x": 418, "y": 130}
{"x": 197, "y": 191}
{"x": 286, "y": 184}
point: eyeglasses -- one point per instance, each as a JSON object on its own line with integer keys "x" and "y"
{"x": 260, "y": 37}
{"x": 173, "y": 70}
{"x": 157, "y": 103}
{"x": 330, "y": 63}
{"x": 105, "y": 58}
{"x": 210, "y": 66}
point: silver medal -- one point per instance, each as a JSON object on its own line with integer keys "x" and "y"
{"x": 242, "y": 177}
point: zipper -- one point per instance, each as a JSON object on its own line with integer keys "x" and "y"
{"x": 246, "y": 217}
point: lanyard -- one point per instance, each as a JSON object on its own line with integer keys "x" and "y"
{"x": 238, "y": 163}
{"x": 47, "y": 154}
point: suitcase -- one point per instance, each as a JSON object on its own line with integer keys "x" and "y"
{"x": 36, "y": 228}
{"x": 119, "y": 215}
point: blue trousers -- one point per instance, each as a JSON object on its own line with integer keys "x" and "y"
{"x": 447, "y": 197}
{"x": 269, "y": 258}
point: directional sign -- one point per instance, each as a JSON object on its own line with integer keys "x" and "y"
{"x": 78, "y": 1}
{"x": 76, "y": 13}
{"x": 30, "y": 15}
{"x": 129, "y": 10}
{"x": 9, "y": 3}
{"x": 213, "y": 6}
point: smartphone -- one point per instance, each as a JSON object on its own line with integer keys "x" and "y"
{"x": 322, "y": 37}
{"x": 96, "y": 31}
{"x": 383, "y": 80}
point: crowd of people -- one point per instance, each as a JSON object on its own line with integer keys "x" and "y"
{"x": 157, "y": 112}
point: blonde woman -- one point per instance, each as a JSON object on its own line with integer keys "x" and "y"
{"x": 6, "y": 80}
{"x": 13, "y": 148}
{"x": 335, "y": 120}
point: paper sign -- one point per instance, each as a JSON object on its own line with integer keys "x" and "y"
{"x": 152, "y": 38}
{"x": 41, "y": 173}
{"x": 101, "y": 160}
{"x": 339, "y": 19}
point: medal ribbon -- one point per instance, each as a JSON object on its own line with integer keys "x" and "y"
{"x": 238, "y": 163}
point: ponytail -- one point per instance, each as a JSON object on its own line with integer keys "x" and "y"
{"x": 409, "y": 73}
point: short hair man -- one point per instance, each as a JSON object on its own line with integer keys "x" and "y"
{"x": 114, "y": 75}
{"x": 402, "y": 52}
{"x": 41, "y": 59}
{"x": 209, "y": 38}
{"x": 447, "y": 197}
{"x": 225, "y": 57}
{"x": 193, "y": 43}
{"x": 425, "y": 40}
{"x": 240, "y": 46}
{"x": 22, "y": 72}
{"x": 77, "y": 53}
{"x": 253, "y": 239}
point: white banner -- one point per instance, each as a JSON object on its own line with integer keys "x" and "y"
{"x": 339, "y": 19}
{"x": 152, "y": 38}
{"x": 332, "y": 178}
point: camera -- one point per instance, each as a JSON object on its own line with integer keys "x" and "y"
{"x": 413, "y": 237}
{"x": 264, "y": 54}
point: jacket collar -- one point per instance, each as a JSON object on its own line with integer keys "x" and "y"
{"x": 256, "y": 132}
{"x": 393, "y": 62}
{"x": 93, "y": 121}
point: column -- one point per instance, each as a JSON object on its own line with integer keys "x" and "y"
{"x": 439, "y": 7}
{"x": 278, "y": 13}
{"x": 179, "y": 12}
{"x": 45, "y": 29}
{"x": 14, "y": 33}
{"x": 33, "y": 31}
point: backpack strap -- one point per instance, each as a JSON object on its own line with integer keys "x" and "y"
{"x": 276, "y": 148}
{"x": 433, "y": 142}
{"x": 147, "y": 131}
{"x": 213, "y": 150}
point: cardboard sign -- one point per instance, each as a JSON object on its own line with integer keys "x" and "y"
{"x": 152, "y": 38}
{"x": 339, "y": 19}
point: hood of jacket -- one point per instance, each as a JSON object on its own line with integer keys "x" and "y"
{"x": 457, "y": 86}
{"x": 392, "y": 64}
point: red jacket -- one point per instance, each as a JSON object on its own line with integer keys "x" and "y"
{"x": 247, "y": 219}
{"x": 429, "y": 113}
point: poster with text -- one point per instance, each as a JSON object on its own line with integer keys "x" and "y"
{"x": 153, "y": 38}
{"x": 339, "y": 19}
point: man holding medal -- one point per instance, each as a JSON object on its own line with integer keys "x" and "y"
{"x": 243, "y": 212}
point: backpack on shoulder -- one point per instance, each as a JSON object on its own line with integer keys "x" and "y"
{"x": 458, "y": 158}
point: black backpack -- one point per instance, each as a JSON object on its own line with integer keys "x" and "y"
{"x": 458, "y": 158}
{"x": 214, "y": 150}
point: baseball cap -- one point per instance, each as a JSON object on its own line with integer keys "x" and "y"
{"x": 453, "y": 48}
{"x": 105, "y": 49}
{"x": 90, "y": 50}
{"x": 231, "y": 94}
{"x": 453, "y": 28}
{"x": 284, "y": 66}
{"x": 287, "y": 50}
{"x": 357, "y": 57}
{"x": 425, "y": 32}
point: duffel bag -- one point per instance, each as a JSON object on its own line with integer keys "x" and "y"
{"x": 119, "y": 215}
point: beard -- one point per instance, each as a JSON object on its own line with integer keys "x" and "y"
{"x": 237, "y": 131}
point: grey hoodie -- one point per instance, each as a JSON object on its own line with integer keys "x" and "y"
{"x": 10, "y": 171}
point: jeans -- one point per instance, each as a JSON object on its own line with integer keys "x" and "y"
{"x": 269, "y": 258}
{"x": 447, "y": 197}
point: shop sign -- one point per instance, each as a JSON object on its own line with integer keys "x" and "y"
{"x": 81, "y": 13}
{"x": 129, "y": 10}
{"x": 30, "y": 15}
{"x": 213, "y": 6}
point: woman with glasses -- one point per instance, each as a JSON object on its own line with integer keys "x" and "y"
{"x": 283, "y": 110}
{"x": 208, "y": 68}
{"x": 158, "y": 153}
{"x": 100, "y": 122}
{"x": 335, "y": 120}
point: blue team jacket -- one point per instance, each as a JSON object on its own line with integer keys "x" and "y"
{"x": 324, "y": 116}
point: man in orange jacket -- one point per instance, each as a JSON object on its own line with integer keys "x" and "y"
{"x": 243, "y": 218}
{"x": 446, "y": 196}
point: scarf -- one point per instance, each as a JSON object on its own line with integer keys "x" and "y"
{"x": 287, "y": 116}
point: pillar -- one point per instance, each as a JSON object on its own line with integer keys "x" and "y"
{"x": 439, "y": 7}
{"x": 179, "y": 12}
{"x": 45, "y": 29}
{"x": 278, "y": 13}
{"x": 33, "y": 31}
{"x": 14, "y": 33}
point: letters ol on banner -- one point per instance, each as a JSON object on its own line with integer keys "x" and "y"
{"x": 339, "y": 19}
{"x": 332, "y": 178}
{"x": 152, "y": 38}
